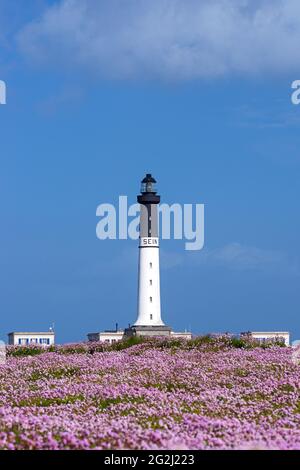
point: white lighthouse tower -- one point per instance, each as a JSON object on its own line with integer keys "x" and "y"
{"x": 149, "y": 321}
{"x": 149, "y": 313}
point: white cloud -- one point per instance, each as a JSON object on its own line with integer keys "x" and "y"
{"x": 167, "y": 39}
{"x": 234, "y": 257}
{"x": 244, "y": 258}
{"x": 170, "y": 260}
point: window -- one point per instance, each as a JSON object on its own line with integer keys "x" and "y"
{"x": 151, "y": 299}
{"x": 113, "y": 340}
{"x": 23, "y": 340}
{"x": 150, "y": 282}
{"x": 44, "y": 341}
{"x": 151, "y": 316}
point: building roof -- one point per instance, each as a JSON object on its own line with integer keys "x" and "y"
{"x": 270, "y": 332}
{"x": 32, "y": 333}
{"x": 148, "y": 179}
{"x": 108, "y": 332}
{"x": 111, "y": 331}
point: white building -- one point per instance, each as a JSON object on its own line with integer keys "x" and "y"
{"x": 20, "y": 338}
{"x": 108, "y": 336}
{"x": 113, "y": 336}
{"x": 181, "y": 334}
{"x": 265, "y": 335}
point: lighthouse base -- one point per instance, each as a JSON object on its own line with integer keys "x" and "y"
{"x": 161, "y": 330}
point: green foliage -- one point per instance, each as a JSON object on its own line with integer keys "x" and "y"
{"x": 297, "y": 409}
{"x": 238, "y": 343}
{"x": 199, "y": 340}
{"x": 107, "y": 402}
{"x": 287, "y": 388}
{"x": 127, "y": 343}
{"x": 23, "y": 351}
{"x": 241, "y": 372}
{"x": 58, "y": 373}
{"x": 72, "y": 349}
{"x": 44, "y": 402}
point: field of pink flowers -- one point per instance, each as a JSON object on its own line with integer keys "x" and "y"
{"x": 152, "y": 395}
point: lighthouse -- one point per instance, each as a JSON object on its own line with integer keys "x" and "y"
{"x": 148, "y": 321}
{"x": 149, "y": 309}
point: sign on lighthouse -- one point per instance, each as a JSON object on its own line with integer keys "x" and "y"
{"x": 149, "y": 321}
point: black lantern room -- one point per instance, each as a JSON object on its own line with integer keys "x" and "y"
{"x": 148, "y": 184}
{"x": 148, "y": 191}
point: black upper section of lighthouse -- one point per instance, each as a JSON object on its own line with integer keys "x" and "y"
{"x": 148, "y": 191}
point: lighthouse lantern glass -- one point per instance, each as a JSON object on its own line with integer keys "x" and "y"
{"x": 148, "y": 187}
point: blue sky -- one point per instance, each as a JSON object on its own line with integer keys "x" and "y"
{"x": 199, "y": 94}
